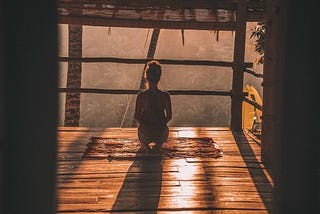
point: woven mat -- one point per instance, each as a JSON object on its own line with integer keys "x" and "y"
{"x": 128, "y": 148}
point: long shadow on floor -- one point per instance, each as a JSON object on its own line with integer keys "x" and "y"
{"x": 257, "y": 174}
{"x": 141, "y": 188}
{"x": 69, "y": 158}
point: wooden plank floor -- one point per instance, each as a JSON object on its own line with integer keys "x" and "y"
{"x": 235, "y": 183}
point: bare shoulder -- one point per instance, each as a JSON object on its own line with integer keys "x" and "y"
{"x": 165, "y": 94}
{"x": 141, "y": 94}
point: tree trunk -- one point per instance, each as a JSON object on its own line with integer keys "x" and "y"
{"x": 72, "y": 106}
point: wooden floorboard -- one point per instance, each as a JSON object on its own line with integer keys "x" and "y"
{"x": 238, "y": 182}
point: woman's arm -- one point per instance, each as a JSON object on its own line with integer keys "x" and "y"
{"x": 168, "y": 108}
{"x": 138, "y": 109}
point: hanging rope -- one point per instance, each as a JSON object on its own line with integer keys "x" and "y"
{"x": 145, "y": 42}
{"x": 182, "y": 35}
{"x": 126, "y": 111}
{"x": 216, "y": 32}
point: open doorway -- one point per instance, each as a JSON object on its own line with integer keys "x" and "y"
{"x": 114, "y": 46}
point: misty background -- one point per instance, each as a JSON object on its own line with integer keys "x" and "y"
{"x": 104, "y": 110}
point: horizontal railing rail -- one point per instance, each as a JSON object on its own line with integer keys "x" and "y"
{"x": 125, "y": 91}
{"x": 144, "y": 61}
{"x": 254, "y": 104}
{"x": 253, "y": 73}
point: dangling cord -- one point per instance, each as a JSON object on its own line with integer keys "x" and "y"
{"x": 145, "y": 42}
{"x": 130, "y": 97}
{"x": 126, "y": 111}
{"x": 182, "y": 34}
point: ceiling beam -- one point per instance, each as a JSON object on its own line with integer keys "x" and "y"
{"x": 178, "y": 4}
{"x": 140, "y": 5}
{"x": 130, "y": 23}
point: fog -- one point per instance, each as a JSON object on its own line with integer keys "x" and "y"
{"x": 103, "y": 110}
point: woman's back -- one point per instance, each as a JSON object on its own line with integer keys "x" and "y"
{"x": 153, "y": 103}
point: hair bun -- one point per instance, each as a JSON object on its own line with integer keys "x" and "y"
{"x": 153, "y": 64}
{"x": 153, "y": 71}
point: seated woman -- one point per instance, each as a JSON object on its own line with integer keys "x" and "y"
{"x": 153, "y": 110}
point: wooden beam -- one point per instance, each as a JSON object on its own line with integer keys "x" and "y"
{"x": 238, "y": 59}
{"x": 120, "y": 91}
{"x": 257, "y": 16}
{"x": 253, "y": 73}
{"x": 182, "y": 4}
{"x": 72, "y": 105}
{"x": 272, "y": 99}
{"x": 254, "y": 104}
{"x": 156, "y": 4}
{"x": 143, "y": 61}
{"x": 130, "y": 23}
{"x": 294, "y": 71}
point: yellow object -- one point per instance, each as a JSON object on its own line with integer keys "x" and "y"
{"x": 249, "y": 112}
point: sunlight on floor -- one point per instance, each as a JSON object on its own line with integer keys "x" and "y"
{"x": 189, "y": 174}
{"x": 183, "y": 184}
{"x": 188, "y": 133}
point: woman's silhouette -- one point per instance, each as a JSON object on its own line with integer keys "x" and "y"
{"x": 153, "y": 110}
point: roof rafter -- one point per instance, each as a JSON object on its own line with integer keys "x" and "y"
{"x": 164, "y": 14}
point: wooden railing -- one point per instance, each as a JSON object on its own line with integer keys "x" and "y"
{"x": 171, "y": 92}
{"x": 254, "y": 104}
{"x": 120, "y": 91}
{"x": 253, "y": 73}
{"x": 144, "y": 61}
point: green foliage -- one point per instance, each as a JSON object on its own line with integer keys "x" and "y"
{"x": 258, "y": 32}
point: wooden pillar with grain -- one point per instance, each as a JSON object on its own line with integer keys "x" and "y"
{"x": 272, "y": 100}
{"x": 72, "y": 106}
{"x": 238, "y": 67}
{"x": 292, "y": 60}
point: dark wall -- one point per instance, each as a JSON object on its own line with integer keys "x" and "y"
{"x": 28, "y": 106}
{"x": 297, "y": 157}
{"x": 1, "y": 105}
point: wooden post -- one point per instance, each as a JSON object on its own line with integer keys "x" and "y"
{"x": 72, "y": 106}
{"x": 271, "y": 91}
{"x": 238, "y": 59}
{"x": 293, "y": 62}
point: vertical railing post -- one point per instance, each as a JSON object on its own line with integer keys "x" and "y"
{"x": 238, "y": 60}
